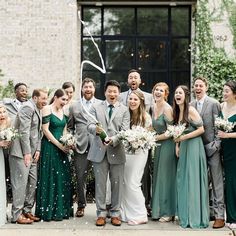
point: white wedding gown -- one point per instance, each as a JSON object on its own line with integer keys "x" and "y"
{"x": 3, "y": 190}
{"x": 133, "y": 208}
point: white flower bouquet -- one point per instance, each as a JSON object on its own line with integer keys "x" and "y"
{"x": 224, "y": 124}
{"x": 137, "y": 138}
{"x": 9, "y": 134}
{"x": 68, "y": 140}
{"x": 175, "y": 131}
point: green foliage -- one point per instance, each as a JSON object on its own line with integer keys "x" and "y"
{"x": 6, "y": 91}
{"x": 209, "y": 61}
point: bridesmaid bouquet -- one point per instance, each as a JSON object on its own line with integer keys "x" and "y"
{"x": 175, "y": 131}
{"x": 68, "y": 140}
{"x": 137, "y": 138}
{"x": 9, "y": 134}
{"x": 224, "y": 124}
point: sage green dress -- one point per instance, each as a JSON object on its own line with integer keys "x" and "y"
{"x": 54, "y": 196}
{"x": 192, "y": 182}
{"x": 229, "y": 160}
{"x": 164, "y": 173}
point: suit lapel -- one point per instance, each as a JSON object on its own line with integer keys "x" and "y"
{"x": 115, "y": 110}
{"x": 104, "y": 110}
{"x": 204, "y": 106}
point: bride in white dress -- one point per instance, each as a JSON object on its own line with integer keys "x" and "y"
{"x": 133, "y": 210}
{"x": 4, "y": 123}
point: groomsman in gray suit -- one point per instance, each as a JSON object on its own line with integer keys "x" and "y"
{"x": 134, "y": 81}
{"x": 209, "y": 109}
{"x": 77, "y": 123}
{"x": 108, "y": 156}
{"x": 24, "y": 154}
{"x": 13, "y": 105}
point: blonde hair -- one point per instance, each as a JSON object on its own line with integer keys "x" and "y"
{"x": 7, "y": 122}
{"x": 166, "y": 87}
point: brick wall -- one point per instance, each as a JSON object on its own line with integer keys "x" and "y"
{"x": 39, "y": 42}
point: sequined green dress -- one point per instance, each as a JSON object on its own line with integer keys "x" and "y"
{"x": 54, "y": 196}
{"x": 229, "y": 160}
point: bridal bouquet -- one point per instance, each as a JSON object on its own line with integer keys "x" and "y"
{"x": 137, "y": 138}
{"x": 68, "y": 140}
{"x": 9, "y": 134}
{"x": 224, "y": 124}
{"x": 175, "y": 131}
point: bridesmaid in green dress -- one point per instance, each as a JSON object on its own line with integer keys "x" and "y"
{"x": 229, "y": 152}
{"x": 54, "y": 196}
{"x": 165, "y": 161}
{"x": 192, "y": 182}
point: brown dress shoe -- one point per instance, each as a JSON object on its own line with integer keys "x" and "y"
{"x": 115, "y": 221}
{"x": 79, "y": 212}
{"x": 31, "y": 216}
{"x": 101, "y": 221}
{"x": 219, "y": 223}
{"x": 23, "y": 220}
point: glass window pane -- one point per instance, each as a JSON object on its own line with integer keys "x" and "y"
{"x": 121, "y": 77}
{"x": 90, "y": 52}
{"x": 151, "y": 54}
{"x": 92, "y": 19}
{"x": 119, "y": 21}
{"x": 152, "y": 21}
{"x": 180, "y": 21}
{"x": 180, "y": 55}
{"x": 119, "y": 54}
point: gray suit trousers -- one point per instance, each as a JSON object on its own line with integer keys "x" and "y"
{"x": 23, "y": 180}
{"x": 116, "y": 175}
{"x": 215, "y": 168}
{"x": 81, "y": 170}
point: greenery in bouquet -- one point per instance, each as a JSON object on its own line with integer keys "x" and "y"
{"x": 9, "y": 134}
{"x": 68, "y": 140}
{"x": 137, "y": 138}
{"x": 224, "y": 124}
{"x": 175, "y": 131}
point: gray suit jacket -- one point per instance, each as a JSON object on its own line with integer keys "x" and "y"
{"x": 11, "y": 108}
{"x": 149, "y": 101}
{"x": 77, "y": 124}
{"x": 210, "y": 110}
{"x": 120, "y": 120}
{"x": 28, "y": 122}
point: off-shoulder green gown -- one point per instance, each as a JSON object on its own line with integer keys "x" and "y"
{"x": 192, "y": 182}
{"x": 54, "y": 197}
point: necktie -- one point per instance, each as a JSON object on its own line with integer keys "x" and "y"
{"x": 110, "y": 110}
{"x": 199, "y": 106}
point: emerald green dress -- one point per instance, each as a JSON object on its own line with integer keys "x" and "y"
{"x": 53, "y": 197}
{"x": 229, "y": 160}
{"x": 192, "y": 182}
{"x": 164, "y": 173}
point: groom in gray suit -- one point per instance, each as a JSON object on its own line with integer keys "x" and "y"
{"x": 108, "y": 158}
{"x": 77, "y": 123}
{"x": 24, "y": 154}
{"x": 209, "y": 109}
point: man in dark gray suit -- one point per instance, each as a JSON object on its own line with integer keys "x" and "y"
{"x": 209, "y": 109}
{"x": 108, "y": 158}
{"x": 77, "y": 123}
{"x": 24, "y": 154}
{"x": 134, "y": 81}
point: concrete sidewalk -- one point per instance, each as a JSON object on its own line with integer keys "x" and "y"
{"x": 86, "y": 226}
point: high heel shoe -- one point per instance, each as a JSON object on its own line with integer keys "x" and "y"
{"x": 165, "y": 219}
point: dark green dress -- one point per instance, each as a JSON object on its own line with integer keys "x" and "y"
{"x": 54, "y": 197}
{"x": 164, "y": 173}
{"x": 229, "y": 160}
{"x": 192, "y": 182}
